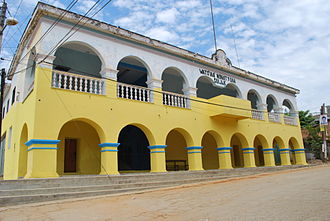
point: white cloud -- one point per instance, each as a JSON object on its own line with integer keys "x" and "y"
{"x": 167, "y": 16}
{"x": 162, "y": 34}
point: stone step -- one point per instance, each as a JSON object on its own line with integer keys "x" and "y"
{"x": 124, "y": 178}
{"x": 26, "y": 199}
{"x": 17, "y": 192}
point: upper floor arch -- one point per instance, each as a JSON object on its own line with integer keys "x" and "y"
{"x": 80, "y": 58}
{"x": 133, "y": 70}
{"x": 272, "y": 103}
{"x": 207, "y": 90}
{"x": 288, "y": 107}
{"x": 174, "y": 80}
{"x": 254, "y": 97}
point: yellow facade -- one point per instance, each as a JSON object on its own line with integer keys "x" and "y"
{"x": 204, "y": 131}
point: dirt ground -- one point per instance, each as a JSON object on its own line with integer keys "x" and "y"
{"x": 302, "y": 194}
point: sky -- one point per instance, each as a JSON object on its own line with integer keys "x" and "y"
{"x": 284, "y": 40}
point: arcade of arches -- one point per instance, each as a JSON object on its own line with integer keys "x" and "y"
{"x": 81, "y": 152}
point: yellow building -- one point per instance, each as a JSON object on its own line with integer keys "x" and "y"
{"x": 108, "y": 101}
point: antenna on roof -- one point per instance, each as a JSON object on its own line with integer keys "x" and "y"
{"x": 237, "y": 57}
{"x": 214, "y": 35}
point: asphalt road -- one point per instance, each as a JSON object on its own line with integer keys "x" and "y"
{"x": 302, "y": 194}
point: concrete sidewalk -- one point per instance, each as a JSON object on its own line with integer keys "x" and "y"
{"x": 298, "y": 194}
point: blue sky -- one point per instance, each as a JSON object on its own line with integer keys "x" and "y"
{"x": 285, "y": 40}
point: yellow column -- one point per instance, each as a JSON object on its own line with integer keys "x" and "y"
{"x": 269, "y": 157}
{"x": 195, "y": 158}
{"x": 109, "y": 159}
{"x": 42, "y": 158}
{"x": 157, "y": 158}
{"x": 300, "y": 156}
{"x": 224, "y": 158}
{"x": 285, "y": 156}
{"x": 248, "y": 155}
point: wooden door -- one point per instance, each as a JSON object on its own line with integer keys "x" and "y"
{"x": 70, "y": 156}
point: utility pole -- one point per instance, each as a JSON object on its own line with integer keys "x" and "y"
{"x": 324, "y": 132}
{"x": 3, "y": 72}
{"x": 3, "y": 79}
{"x": 2, "y": 20}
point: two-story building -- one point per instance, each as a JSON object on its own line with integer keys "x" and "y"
{"x": 107, "y": 100}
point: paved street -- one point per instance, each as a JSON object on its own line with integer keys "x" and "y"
{"x": 302, "y": 194}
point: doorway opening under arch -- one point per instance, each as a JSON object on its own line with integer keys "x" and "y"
{"x": 176, "y": 153}
{"x": 210, "y": 156}
{"x": 133, "y": 152}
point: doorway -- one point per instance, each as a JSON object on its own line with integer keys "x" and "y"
{"x": 70, "y": 156}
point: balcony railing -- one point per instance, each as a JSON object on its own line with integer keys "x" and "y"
{"x": 175, "y": 100}
{"x": 258, "y": 115}
{"x": 133, "y": 92}
{"x": 290, "y": 120}
{"x": 75, "y": 82}
{"x": 274, "y": 117}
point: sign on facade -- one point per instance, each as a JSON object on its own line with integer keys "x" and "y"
{"x": 218, "y": 79}
{"x": 323, "y": 119}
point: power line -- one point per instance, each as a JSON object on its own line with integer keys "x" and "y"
{"x": 65, "y": 38}
{"x": 72, "y": 3}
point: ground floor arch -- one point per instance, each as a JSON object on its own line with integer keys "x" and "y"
{"x": 78, "y": 150}
{"x": 278, "y": 144}
{"x": 293, "y": 144}
{"x": 210, "y": 156}
{"x": 259, "y": 144}
{"x": 133, "y": 152}
{"x": 237, "y": 142}
{"x": 23, "y": 153}
{"x": 176, "y": 153}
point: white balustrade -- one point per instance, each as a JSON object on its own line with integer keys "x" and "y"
{"x": 133, "y": 92}
{"x": 258, "y": 115}
{"x": 175, "y": 100}
{"x": 290, "y": 120}
{"x": 274, "y": 117}
{"x": 75, "y": 82}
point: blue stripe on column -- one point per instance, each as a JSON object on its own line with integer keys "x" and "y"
{"x": 194, "y": 148}
{"x": 157, "y": 147}
{"x": 223, "y": 152}
{"x": 41, "y": 141}
{"x": 42, "y": 148}
{"x": 268, "y": 149}
{"x": 224, "y": 148}
{"x": 109, "y": 150}
{"x": 287, "y": 149}
{"x": 157, "y": 151}
{"x": 195, "y": 152}
{"x": 249, "y": 152}
{"x": 298, "y": 150}
{"x": 109, "y": 144}
{"x": 249, "y": 148}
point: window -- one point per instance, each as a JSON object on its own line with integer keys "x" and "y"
{"x": 7, "y": 105}
{"x": 9, "y": 137}
{"x": 13, "y": 96}
{"x": 2, "y": 153}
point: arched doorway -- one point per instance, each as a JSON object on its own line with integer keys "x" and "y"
{"x": 271, "y": 103}
{"x": 131, "y": 70}
{"x": 293, "y": 144}
{"x": 78, "y": 58}
{"x": 210, "y": 156}
{"x": 206, "y": 89}
{"x": 237, "y": 142}
{"x": 288, "y": 108}
{"x": 23, "y": 152}
{"x": 259, "y": 143}
{"x": 133, "y": 152}
{"x": 254, "y": 98}
{"x": 173, "y": 81}
{"x": 176, "y": 153}
{"x": 277, "y": 145}
{"x": 78, "y": 151}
